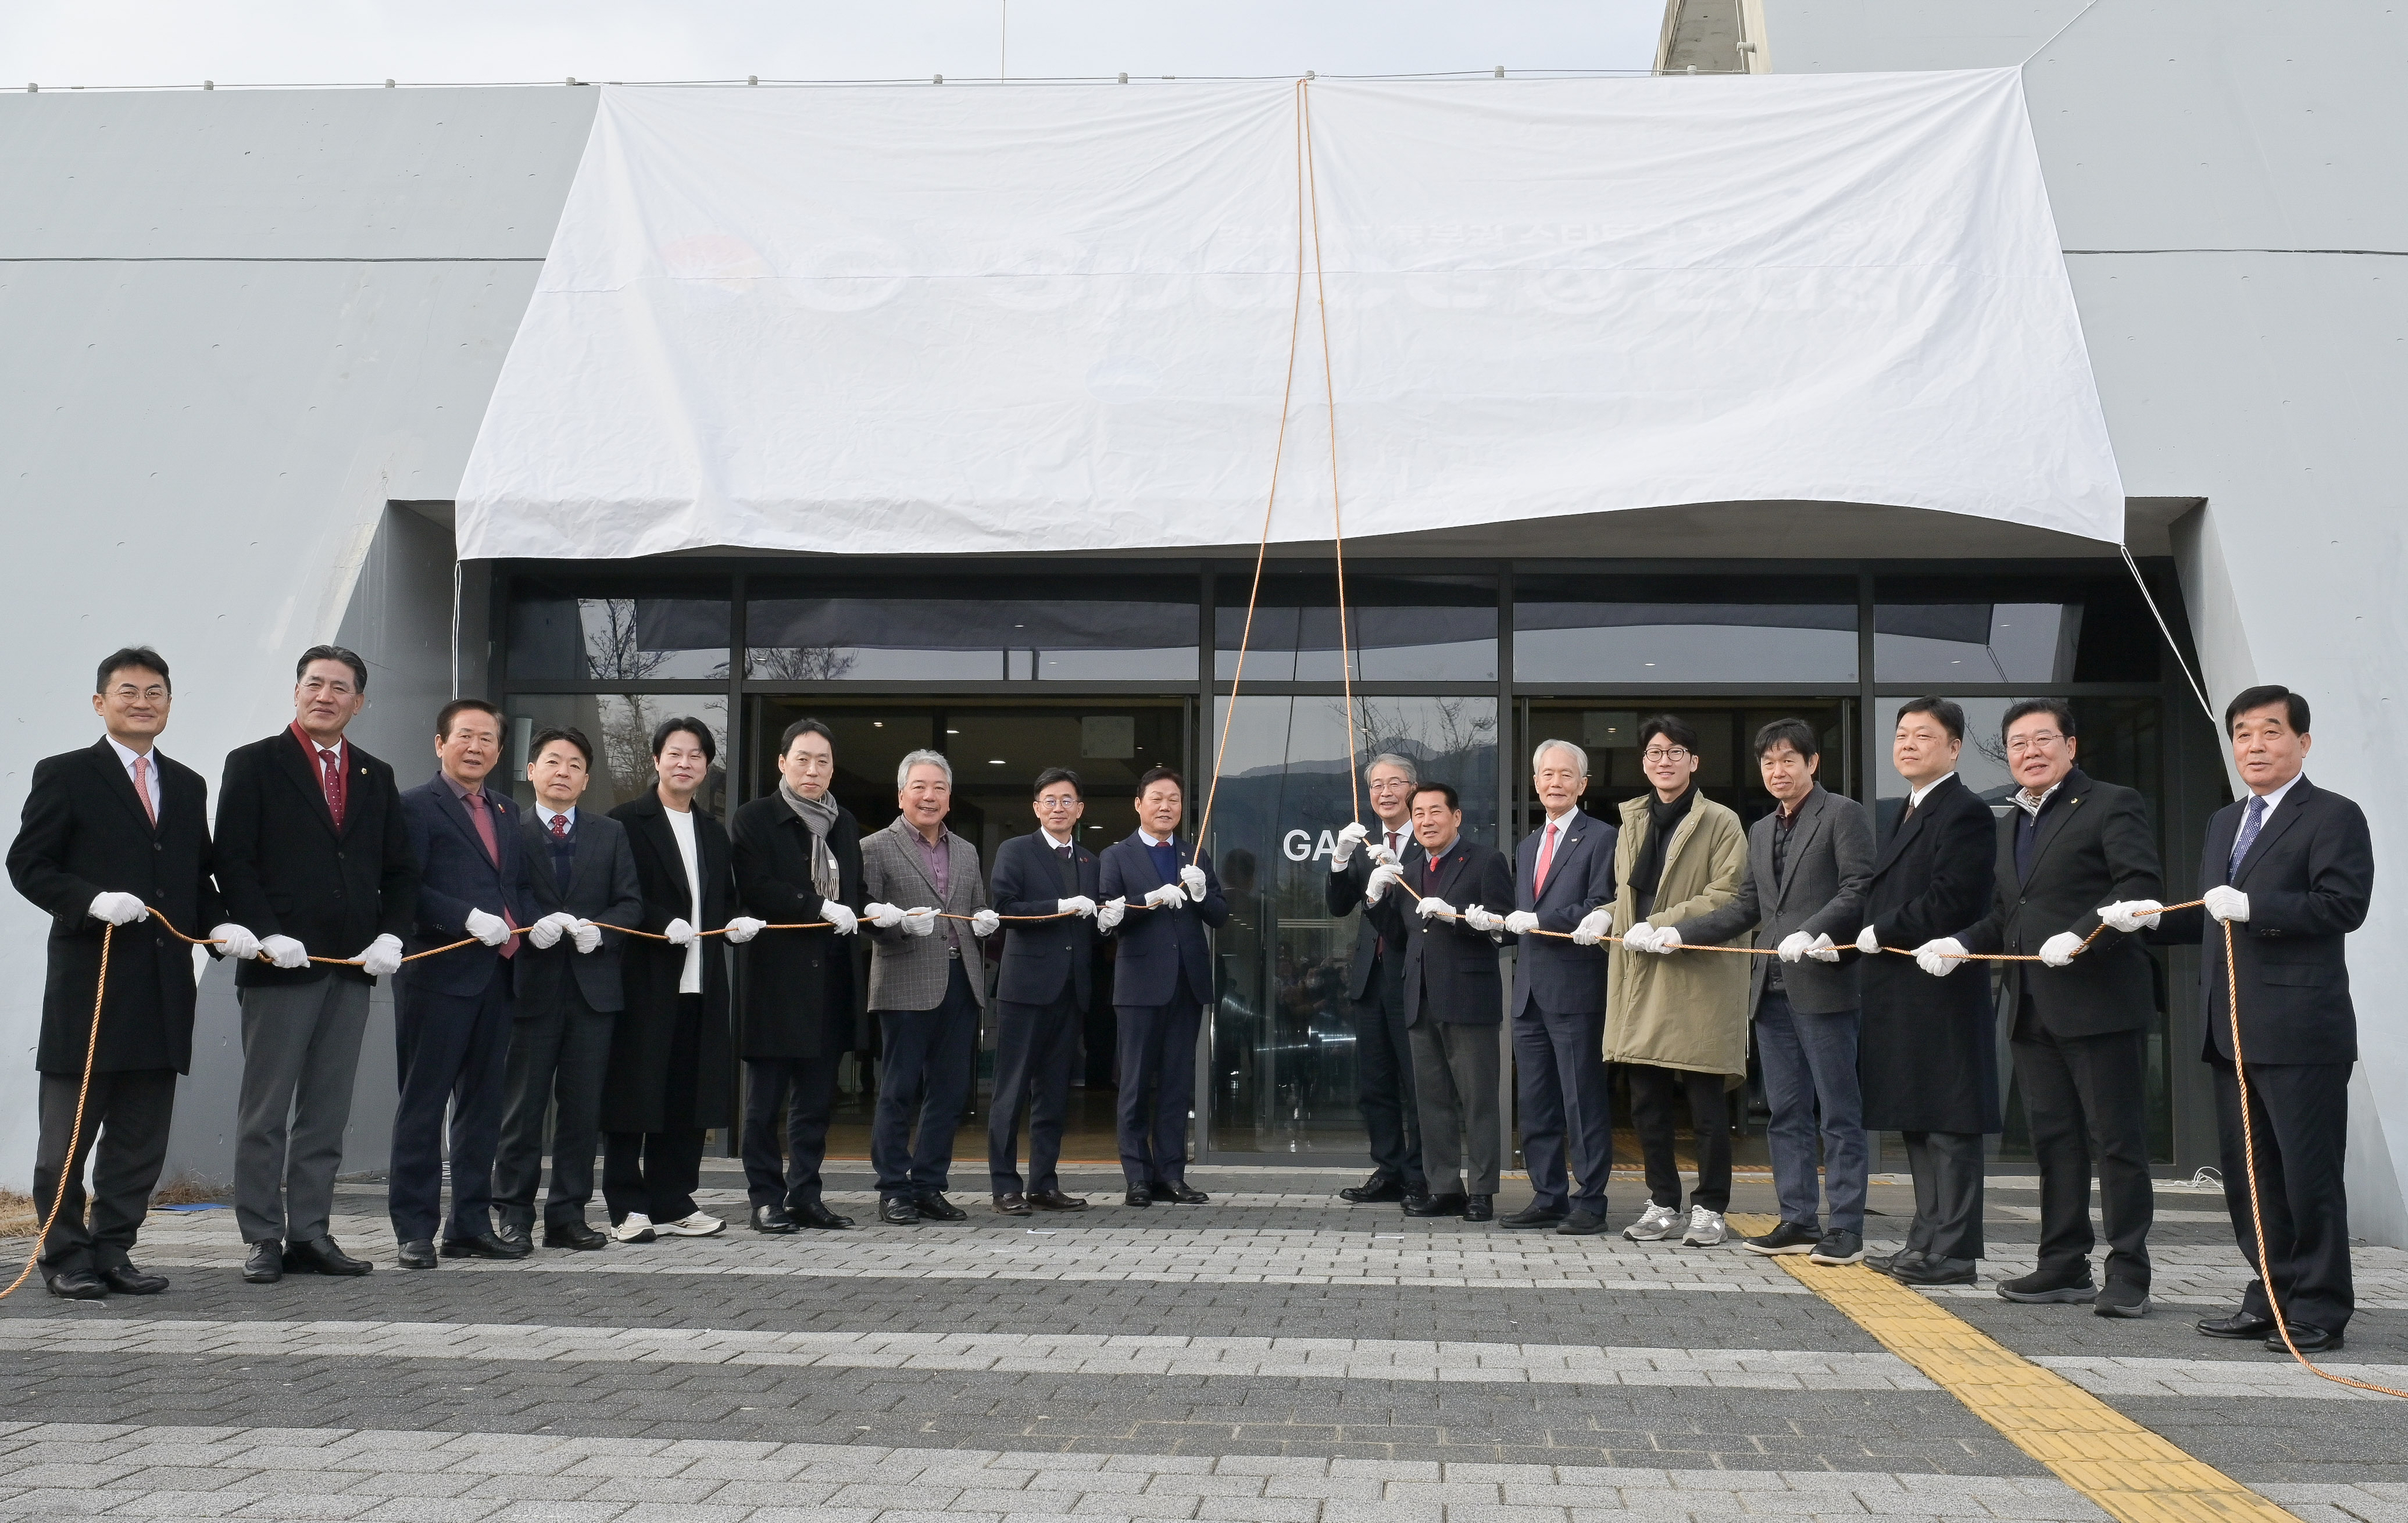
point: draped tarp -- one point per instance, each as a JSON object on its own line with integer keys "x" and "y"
{"x": 943, "y": 318}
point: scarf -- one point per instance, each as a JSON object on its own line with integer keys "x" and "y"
{"x": 1662, "y": 820}
{"x": 817, "y": 815}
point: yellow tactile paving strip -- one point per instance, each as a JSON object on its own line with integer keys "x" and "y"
{"x": 2131, "y": 1473}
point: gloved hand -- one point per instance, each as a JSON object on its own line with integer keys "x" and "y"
{"x": 382, "y": 958}
{"x": 2130, "y": 915}
{"x": 2058, "y": 951}
{"x": 1821, "y": 949}
{"x": 1348, "y": 839}
{"x": 117, "y": 908}
{"x": 1379, "y": 853}
{"x": 1868, "y": 941}
{"x": 2227, "y": 903}
{"x": 883, "y": 916}
{"x": 1108, "y": 915}
{"x": 1940, "y": 958}
{"x": 546, "y": 932}
{"x": 1375, "y": 887}
{"x": 235, "y": 943}
{"x": 1482, "y": 919}
{"x": 1793, "y": 946}
{"x": 1430, "y": 907}
{"x": 1077, "y": 904}
{"x": 985, "y": 922}
{"x": 285, "y": 953}
{"x": 1522, "y": 922}
{"x": 1595, "y": 926}
{"x": 1167, "y": 896}
{"x": 1663, "y": 940}
{"x": 587, "y": 935}
{"x": 742, "y": 928}
{"x": 1193, "y": 877}
{"x": 490, "y": 930}
{"x": 919, "y": 920}
{"x": 840, "y": 920}
{"x": 678, "y": 933}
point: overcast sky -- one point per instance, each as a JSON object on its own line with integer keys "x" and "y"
{"x": 61, "y": 43}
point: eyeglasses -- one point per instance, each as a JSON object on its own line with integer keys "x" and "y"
{"x": 2025, "y": 744}
{"x": 1051, "y": 801}
{"x": 1664, "y": 754}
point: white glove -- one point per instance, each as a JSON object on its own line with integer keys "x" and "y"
{"x": 1168, "y": 897}
{"x": 1379, "y": 853}
{"x": 678, "y": 933}
{"x": 1940, "y": 958}
{"x": 1522, "y": 922}
{"x": 1348, "y": 839}
{"x": 1430, "y": 907}
{"x": 1376, "y": 887}
{"x": 1868, "y": 941}
{"x": 117, "y": 908}
{"x": 490, "y": 930}
{"x": 742, "y": 928}
{"x": 919, "y": 920}
{"x": 2058, "y": 950}
{"x": 985, "y": 922}
{"x": 288, "y": 954}
{"x": 1482, "y": 919}
{"x": 1193, "y": 877}
{"x": 235, "y": 943}
{"x": 382, "y": 958}
{"x": 883, "y": 916}
{"x": 1108, "y": 915}
{"x": 840, "y": 920}
{"x": 1821, "y": 949}
{"x": 547, "y": 932}
{"x": 2227, "y": 903}
{"x": 1077, "y": 904}
{"x": 587, "y": 935}
{"x": 1595, "y": 926}
{"x": 1663, "y": 940}
{"x": 2129, "y": 915}
{"x": 1793, "y": 946}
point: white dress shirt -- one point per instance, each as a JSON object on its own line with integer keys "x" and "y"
{"x": 547, "y": 816}
{"x": 1054, "y": 842}
{"x": 1917, "y": 796}
{"x": 1151, "y": 839}
{"x": 2274, "y": 799}
{"x": 125, "y": 758}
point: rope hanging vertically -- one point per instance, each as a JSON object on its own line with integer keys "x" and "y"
{"x": 1337, "y": 512}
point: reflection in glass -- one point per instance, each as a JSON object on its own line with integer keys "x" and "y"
{"x": 1976, "y": 642}
{"x": 919, "y": 634}
{"x": 557, "y": 637}
{"x": 1421, "y": 629}
{"x": 621, "y": 727}
{"x": 1568, "y": 629}
{"x": 1282, "y": 1052}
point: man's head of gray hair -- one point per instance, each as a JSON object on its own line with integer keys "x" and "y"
{"x": 1400, "y": 762}
{"x": 1572, "y": 754}
{"x": 922, "y": 759}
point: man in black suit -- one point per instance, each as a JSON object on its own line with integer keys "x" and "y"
{"x": 1928, "y": 1061}
{"x": 2080, "y": 1037}
{"x": 2289, "y": 872}
{"x": 1375, "y": 985}
{"x": 109, "y": 833}
{"x": 797, "y": 857}
{"x": 1455, "y": 997}
{"x": 567, "y": 991}
{"x": 1041, "y": 993}
{"x": 452, "y": 1013}
{"x": 313, "y": 856}
{"x": 1161, "y": 981}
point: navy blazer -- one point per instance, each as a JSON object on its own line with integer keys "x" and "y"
{"x": 1446, "y": 959}
{"x": 455, "y": 876}
{"x": 1159, "y": 947}
{"x": 1550, "y": 973}
{"x": 602, "y": 887}
{"x": 2309, "y": 876}
{"x": 1041, "y": 956}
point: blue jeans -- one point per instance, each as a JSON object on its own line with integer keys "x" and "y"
{"x": 1810, "y": 1067}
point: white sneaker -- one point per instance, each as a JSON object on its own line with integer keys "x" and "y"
{"x": 700, "y": 1226}
{"x": 633, "y": 1228}
{"x": 1653, "y": 1224}
{"x": 1706, "y": 1229}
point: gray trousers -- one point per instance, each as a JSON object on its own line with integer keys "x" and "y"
{"x": 556, "y": 1054}
{"x": 1455, "y": 1087}
{"x": 300, "y": 1052}
{"x": 1947, "y": 1193}
{"x": 128, "y": 1111}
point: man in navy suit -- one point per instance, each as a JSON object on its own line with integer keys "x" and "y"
{"x": 452, "y": 1014}
{"x": 2289, "y": 872}
{"x": 1562, "y": 876}
{"x": 1041, "y": 993}
{"x": 1375, "y": 985}
{"x": 1160, "y": 982}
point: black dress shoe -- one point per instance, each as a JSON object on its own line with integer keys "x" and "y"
{"x": 125, "y": 1280}
{"x": 1056, "y": 1201}
{"x": 512, "y": 1236}
{"x": 486, "y": 1246}
{"x": 75, "y": 1285}
{"x": 1479, "y": 1207}
{"x": 1884, "y": 1263}
{"x": 1533, "y": 1218}
{"x": 1138, "y": 1196}
{"x": 2239, "y": 1325}
{"x": 1376, "y": 1190}
{"x": 1179, "y": 1190}
{"x": 575, "y": 1235}
{"x": 773, "y": 1219}
{"x": 1936, "y": 1271}
{"x": 321, "y": 1255}
{"x": 1413, "y": 1199}
{"x": 1012, "y": 1203}
{"x": 2305, "y": 1338}
{"x": 1582, "y": 1224}
{"x": 935, "y": 1205}
{"x": 812, "y": 1214}
{"x": 1453, "y": 1204}
{"x": 418, "y": 1253}
{"x": 898, "y": 1210}
{"x": 264, "y": 1264}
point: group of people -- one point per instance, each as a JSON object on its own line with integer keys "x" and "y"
{"x": 1670, "y": 939}
{"x": 550, "y": 968}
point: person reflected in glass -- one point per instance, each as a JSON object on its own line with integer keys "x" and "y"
{"x": 1375, "y": 988}
{"x": 1041, "y": 993}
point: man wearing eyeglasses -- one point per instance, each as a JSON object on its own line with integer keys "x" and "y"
{"x": 1041, "y": 993}
{"x": 1375, "y": 985}
{"x": 2081, "y": 1014}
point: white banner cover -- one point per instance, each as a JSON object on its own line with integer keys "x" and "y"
{"x": 911, "y": 319}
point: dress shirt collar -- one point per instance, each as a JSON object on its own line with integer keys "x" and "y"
{"x": 1052, "y": 842}
{"x": 126, "y": 753}
{"x": 548, "y": 815}
{"x": 1151, "y": 839}
{"x": 2031, "y": 806}
{"x": 1917, "y": 796}
{"x": 311, "y": 747}
{"x": 459, "y": 789}
{"x": 1434, "y": 856}
{"x": 2276, "y": 797}
{"x": 1563, "y": 821}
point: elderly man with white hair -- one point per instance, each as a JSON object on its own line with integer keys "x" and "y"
{"x": 1375, "y": 986}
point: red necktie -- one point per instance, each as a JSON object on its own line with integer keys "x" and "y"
{"x": 560, "y": 827}
{"x": 330, "y": 778}
{"x": 1546, "y": 860}
{"x": 142, "y": 789}
{"x": 478, "y": 812}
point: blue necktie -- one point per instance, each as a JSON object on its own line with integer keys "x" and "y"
{"x": 2248, "y": 837}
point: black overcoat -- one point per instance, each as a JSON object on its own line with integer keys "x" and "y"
{"x": 635, "y": 1088}
{"x": 285, "y": 869}
{"x": 798, "y": 985}
{"x": 1927, "y": 1054}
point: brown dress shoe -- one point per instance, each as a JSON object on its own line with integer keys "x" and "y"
{"x": 1056, "y": 1201}
{"x": 1011, "y": 1203}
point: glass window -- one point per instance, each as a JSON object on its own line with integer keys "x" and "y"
{"x": 890, "y": 630}
{"x": 1684, "y": 629}
{"x": 560, "y": 634}
{"x": 1418, "y": 629}
{"x": 620, "y": 727}
{"x": 1945, "y": 630}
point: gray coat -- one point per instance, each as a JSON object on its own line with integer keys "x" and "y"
{"x": 1822, "y": 892}
{"x": 908, "y": 971}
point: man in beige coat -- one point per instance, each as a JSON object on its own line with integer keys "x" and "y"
{"x": 1678, "y": 1019}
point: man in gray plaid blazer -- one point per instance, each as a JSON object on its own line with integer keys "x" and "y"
{"x": 927, "y": 913}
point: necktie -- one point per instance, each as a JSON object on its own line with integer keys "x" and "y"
{"x": 560, "y": 827}
{"x": 1062, "y": 851}
{"x": 563, "y": 855}
{"x": 1394, "y": 836}
{"x": 483, "y": 818}
{"x": 2250, "y": 824}
{"x": 142, "y": 789}
{"x": 1547, "y": 859}
{"x": 330, "y": 778}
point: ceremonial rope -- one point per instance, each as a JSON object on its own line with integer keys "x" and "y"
{"x": 67, "y": 1165}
